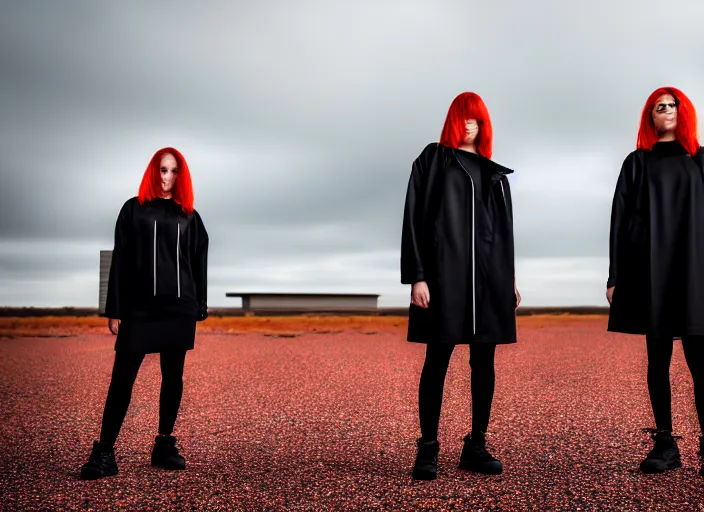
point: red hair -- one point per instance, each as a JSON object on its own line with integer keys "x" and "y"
{"x": 686, "y": 129}
{"x": 465, "y": 106}
{"x": 150, "y": 188}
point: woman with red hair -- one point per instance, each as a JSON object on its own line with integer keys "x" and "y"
{"x": 157, "y": 291}
{"x": 656, "y": 283}
{"x": 457, "y": 252}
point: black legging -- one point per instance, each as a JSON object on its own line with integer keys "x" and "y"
{"x": 124, "y": 373}
{"x": 432, "y": 383}
{"x": 659, "y": 357}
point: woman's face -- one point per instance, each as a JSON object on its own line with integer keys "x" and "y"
{"x": 472, "y": 129}
{"x": 665, "y": 114}
{"x": 169, "y": 172}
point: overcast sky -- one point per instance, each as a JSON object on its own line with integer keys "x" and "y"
{"x": 300, "y": 121}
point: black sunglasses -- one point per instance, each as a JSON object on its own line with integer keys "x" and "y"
{"x": 662, "y": 107}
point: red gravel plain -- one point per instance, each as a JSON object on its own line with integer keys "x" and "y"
{"x": 328, "y": 421}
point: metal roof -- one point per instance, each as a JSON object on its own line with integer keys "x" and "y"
{"x": 296, "y": 294}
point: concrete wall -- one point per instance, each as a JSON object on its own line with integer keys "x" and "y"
{"x": 105, "y": 259}
{"x": 305, "y": 301}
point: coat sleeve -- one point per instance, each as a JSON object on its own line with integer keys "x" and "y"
{"x": 412, "y": 270}
{"x": 200, "y": 265}
{"x": 117, "y": 281}
{"x": 624, "y": 187}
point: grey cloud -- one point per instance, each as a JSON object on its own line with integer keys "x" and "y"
{"x": 301, "y": 120}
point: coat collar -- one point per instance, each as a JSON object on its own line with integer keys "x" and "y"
{"x": 498, "y": 170}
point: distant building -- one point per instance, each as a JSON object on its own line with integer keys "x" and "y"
{"x": 307, "y": 301}
{"x": 267, "y": 301}
{"x": 105, "y": 259}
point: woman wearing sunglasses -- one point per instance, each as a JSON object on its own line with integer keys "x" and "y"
{"x": 656, "y": 278}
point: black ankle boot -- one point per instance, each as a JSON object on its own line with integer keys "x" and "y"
{"x": 701, "y": 454}
{"x": 665, "y": 455}
{"x": 165, "y": 454}
{"x": 475, "y": 457}
{"x": 426, "y": 460}
{"x": 100, "y": 463}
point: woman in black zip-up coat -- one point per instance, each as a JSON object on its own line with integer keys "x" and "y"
{"x": 457, "y": 252}
{"x": 157, "y": 291}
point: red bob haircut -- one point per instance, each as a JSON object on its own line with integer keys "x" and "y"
{"x": 686, "y": 130}
{"x": 468, "y": 105}
{"x": 150, "y": 187}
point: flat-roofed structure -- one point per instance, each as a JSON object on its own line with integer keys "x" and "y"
{"x": 105, "y": 260}
{"x": 307, "y": 301}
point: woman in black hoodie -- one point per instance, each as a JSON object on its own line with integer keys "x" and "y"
{"x": 156, "y": 294}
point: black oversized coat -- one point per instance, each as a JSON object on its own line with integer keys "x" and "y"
{"x": 471, "y": 280}
{"x": 159, "y": 263}
{"x": 636, "y": 266}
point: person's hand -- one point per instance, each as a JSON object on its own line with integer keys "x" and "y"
{"x": 113, "y": 325}
{"x": 420, "y": 295}
{"x": 610, "y": 293}
{"x": 202, "y": 311}
{"x": 518, "y": 295}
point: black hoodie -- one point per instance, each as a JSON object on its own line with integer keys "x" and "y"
{"x": 159, "y": 263}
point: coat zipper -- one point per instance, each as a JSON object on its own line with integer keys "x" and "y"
{"x": 155, "y": 257}
{"x": 474, "y": 280}
{"x": 178, "y": 270}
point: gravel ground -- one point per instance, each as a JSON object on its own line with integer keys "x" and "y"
{"x": 328, "y": 421}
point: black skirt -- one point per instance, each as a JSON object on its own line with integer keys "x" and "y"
{"x": 155, "y": 335}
